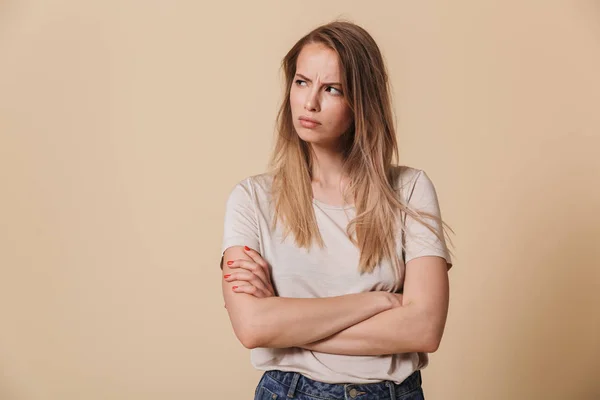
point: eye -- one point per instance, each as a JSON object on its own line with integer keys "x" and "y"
{"x": 335, "y": 91}
{"x": 299, "y": 82}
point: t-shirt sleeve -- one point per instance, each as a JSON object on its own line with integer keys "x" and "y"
{"x": 419, "y": 240}
{"x": 240, "y": 225}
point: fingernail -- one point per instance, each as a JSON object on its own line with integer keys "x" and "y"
{"x": 233, "y": 288}
{"x": 227, "y": 276}
{"x": 246, "y": 248}
{"x": 229, "y": 262}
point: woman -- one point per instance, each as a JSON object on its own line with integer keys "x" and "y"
{"x": 316, "y": 250}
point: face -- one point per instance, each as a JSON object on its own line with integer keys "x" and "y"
{"x": 319, "y": 111}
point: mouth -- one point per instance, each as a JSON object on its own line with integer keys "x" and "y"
{"x": 308, "y": 122}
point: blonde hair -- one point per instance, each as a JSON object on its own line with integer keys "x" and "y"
{"x": 369, "y": 147}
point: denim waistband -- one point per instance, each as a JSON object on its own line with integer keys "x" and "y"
{"x": 293, "y": 382}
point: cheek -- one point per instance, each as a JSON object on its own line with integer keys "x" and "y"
{"x": 343, "y": 115}
{"x": 295, "y": 100}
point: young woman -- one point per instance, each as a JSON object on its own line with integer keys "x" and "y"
{"x": 335, "y": 261}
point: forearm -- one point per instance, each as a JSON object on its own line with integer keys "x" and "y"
{"x": 398, "y": 330}
{"x": 280, "y": 322}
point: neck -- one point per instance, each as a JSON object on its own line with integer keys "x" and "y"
{"x": 327, "y": 168}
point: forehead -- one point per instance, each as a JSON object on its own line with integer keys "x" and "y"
{"x": 318, "y": 61}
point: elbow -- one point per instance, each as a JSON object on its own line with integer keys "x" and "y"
{"x": 431, "y": 345}
{"x": 431, "y": 338}
{"x": 254, "y": 325}
{"x": 251, "y": 335}
{"x": 248, "y": 341}
{"x": 432, "y": 329}
{"x": 246, "y": 323}
{"x": 258, "y": 336}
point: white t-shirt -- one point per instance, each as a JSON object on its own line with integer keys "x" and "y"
{"x": 332, "y": 271}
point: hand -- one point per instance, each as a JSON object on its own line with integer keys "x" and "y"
{"x": 396, "y": 299}
{"x": 255, "y": 272}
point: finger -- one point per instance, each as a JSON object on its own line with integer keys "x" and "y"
{"x": 255, "y": 255}
{"x": 247, "y": 276}
{"x": 257, "y": 270}
{"x": 250, "y": 289}
{"x": 253, "y": 268}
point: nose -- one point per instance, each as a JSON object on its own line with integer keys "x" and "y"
{"x": 312, "y": 101}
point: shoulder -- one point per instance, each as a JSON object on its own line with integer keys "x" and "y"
{"x": 406, "y": 173}
{"x": 405, "y": 178}
{"x": 253, "y": 186}
{"x": 261, "y": 182}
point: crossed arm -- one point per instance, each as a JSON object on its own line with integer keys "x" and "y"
{"x": 416, "y": 326}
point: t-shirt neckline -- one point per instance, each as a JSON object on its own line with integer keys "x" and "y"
{"x": 330, "y": 206}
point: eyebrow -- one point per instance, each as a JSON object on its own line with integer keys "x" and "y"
{"x": 324, "y": 83}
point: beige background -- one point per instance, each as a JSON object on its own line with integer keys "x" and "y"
{"x": 123, "y": 126}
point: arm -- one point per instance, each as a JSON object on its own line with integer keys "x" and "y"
{"x": 417, "y": 326}
{"x": 287, "y": 322}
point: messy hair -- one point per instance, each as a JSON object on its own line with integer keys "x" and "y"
{"x": 369, "y": 148}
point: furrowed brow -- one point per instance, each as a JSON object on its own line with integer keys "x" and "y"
{"x": 324, "y": 83}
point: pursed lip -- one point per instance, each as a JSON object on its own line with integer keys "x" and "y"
{"x": 309, "y": 119}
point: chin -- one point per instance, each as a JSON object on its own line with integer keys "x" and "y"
{"x": 308, "y": 135}
{"x": 315, "y": 138}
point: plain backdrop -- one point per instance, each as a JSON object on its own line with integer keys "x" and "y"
{"x": 125, "y": 124}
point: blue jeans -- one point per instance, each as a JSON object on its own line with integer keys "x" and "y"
{"x": 283, "y": 385}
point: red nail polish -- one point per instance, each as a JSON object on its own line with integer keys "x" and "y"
{"x": 227, "y": 276}
{"x": 229, "y": 262}
{"x": 247, "y": 248}
{"x": 233, "y": 288}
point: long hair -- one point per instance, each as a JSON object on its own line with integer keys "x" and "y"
{"x": 368, "y": 147}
